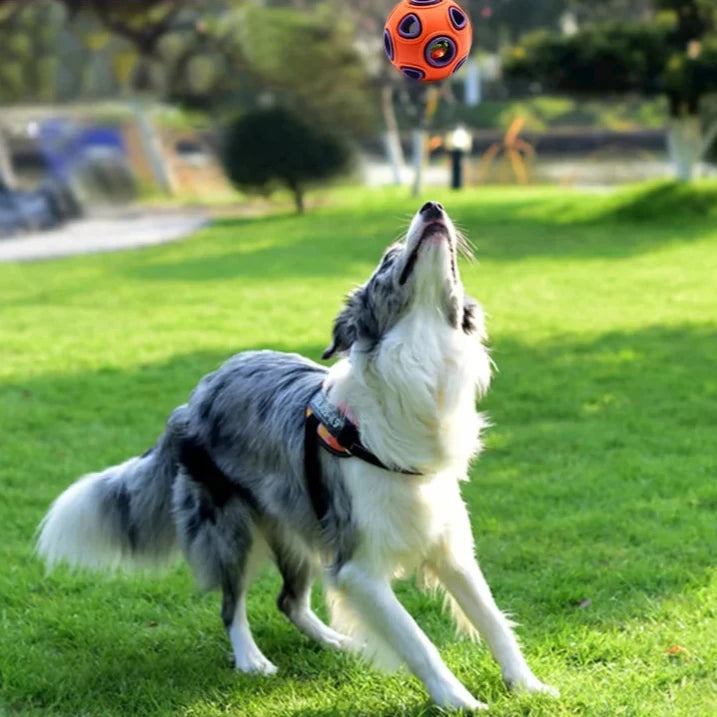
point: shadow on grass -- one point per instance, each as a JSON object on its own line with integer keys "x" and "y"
{"x": 597, "y": 484}
{"x": 672, "y": 200}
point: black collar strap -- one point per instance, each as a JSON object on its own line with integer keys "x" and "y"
{"x": 327, "y": 426}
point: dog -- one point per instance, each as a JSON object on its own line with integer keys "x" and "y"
{"x": 350, "y": 473}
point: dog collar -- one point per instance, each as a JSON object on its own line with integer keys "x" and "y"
{"x": 339, "y": 435}
{"x": 329, "y": 427}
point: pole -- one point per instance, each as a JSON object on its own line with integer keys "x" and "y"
{"x": 457, "y": 169}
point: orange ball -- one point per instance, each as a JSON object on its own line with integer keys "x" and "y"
{"x": 427, "y": 40}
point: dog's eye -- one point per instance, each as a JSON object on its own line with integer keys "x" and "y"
{"x": 387, "y": 262}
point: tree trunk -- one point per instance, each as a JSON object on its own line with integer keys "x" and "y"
{"x": 708, "y": 139}
{"x": 298, "y": 191}
{"x": 392, "y": 137}
{"x": 685, "y": 145}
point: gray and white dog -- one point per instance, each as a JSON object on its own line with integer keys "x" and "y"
{"x": 227, "y": 481}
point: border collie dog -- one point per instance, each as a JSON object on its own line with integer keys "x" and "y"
{"x": 350, "y": 473}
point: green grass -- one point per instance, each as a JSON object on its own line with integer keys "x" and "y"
{"x": 593, "y": 506}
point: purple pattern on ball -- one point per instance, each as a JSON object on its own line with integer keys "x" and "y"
{"x": 425, "y": 2}
{"x": 410, "y": 27}
{"x": 388, "y": 44}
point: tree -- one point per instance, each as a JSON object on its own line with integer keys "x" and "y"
{"x": 28, "y": 50}
{"x": 308, "y": 61}
{"x": 184, "y": 50}
{"x": 497, "y": 22}
{"x": 275, "y": 146}
{"x": 674, "y": 55}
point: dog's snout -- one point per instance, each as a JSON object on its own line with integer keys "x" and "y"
{"x": 432, "y": 210}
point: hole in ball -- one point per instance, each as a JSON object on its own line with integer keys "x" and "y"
{"x": 410, "y": 27}
{"x": 413, "y": 73}
{"x": 459, "y": 64}
{"x": 440, "y": 51}
{"x": 388, "y": 44}
{"x": 457, "y": 18}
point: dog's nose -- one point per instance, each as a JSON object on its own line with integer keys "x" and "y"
{"x": 432, "y": 210}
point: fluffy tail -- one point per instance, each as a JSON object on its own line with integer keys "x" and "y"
{"x": 121, "y": 516}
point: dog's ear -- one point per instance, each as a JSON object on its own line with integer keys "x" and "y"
{"x": 344, "y": 333}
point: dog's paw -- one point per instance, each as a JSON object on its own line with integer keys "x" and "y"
{"x": 529, "y": 683}
{"x": 460, "y": 699}
{"x": 332, "y": 639}
{"x": 256, "y": 664}
{"x": 341, "y": 642}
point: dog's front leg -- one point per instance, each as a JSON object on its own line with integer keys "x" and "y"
{"x": 374, "y": 602}
{"x": 458, "y": 570}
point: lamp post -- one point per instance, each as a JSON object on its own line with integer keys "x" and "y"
{"x": 459, "y": 142}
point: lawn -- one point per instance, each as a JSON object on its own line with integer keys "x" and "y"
{"x": 594, "y": 505}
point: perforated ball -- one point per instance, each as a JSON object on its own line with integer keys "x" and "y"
{"x": 427, "y": 40}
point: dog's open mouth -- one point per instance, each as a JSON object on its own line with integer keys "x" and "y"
{"x": 431, "y": 230}
{"x": 434, "y": 229}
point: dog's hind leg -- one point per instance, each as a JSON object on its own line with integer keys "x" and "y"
{"x": 235, "y": 583}
{"x": 247, "y": 656}
{"x": 225, "y": 550}
{"x": 295, "y": 599}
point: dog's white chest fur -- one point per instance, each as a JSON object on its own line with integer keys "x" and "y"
{"x": 399, "y": 518}
{"x": 414, "y": 401}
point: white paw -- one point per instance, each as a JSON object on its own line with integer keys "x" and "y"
{"x": 529, "y": 683}
{"x": 338, "y": 642}
{"x": 330, "y": 638}
{"x": 459, "y": 698}
{"x": 469, "y": 704}
{"x": 355, "y": 644}
{"x": 256, "y": 664}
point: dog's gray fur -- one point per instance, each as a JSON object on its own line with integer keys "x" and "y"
{"x": 231, "y": 460}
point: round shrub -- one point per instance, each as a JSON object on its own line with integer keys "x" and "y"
{"x": 276, "y": 146}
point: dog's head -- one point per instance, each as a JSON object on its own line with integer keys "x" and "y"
{"x": 420, "y": 272}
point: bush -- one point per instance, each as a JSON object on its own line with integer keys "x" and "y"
{"x": 675, "y": 54}
{"x": 605, "y": 59}
{"x": 275, "y": 146}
